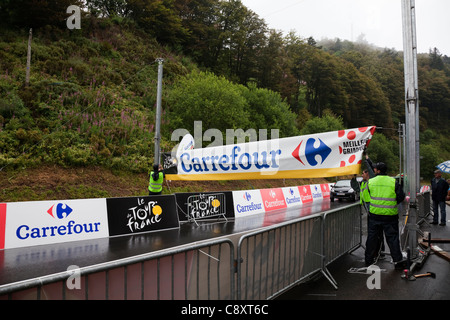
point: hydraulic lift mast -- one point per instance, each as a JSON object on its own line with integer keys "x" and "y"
{"x": 412, "y": 119}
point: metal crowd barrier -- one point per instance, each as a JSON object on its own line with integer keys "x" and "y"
{"x": 425, "y": 206}
{"x": 424, "y": 210}
{"x": 203, "y": 271}
{"x": 206, "y": 206}
{"x": 343, "y": 229}
{"x": 269, "y": 262}
{"x": 276, "y": 258}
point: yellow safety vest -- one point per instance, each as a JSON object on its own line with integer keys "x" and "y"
{"x": 156, "y": 186}
{"x": 382, "y": 196}
{"x": 364, "y": 196}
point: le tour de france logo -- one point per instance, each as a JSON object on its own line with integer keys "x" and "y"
{"x": 145, "y": 213}
{"x": 203, "y": 206}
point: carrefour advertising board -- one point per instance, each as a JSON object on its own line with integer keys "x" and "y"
{"x": 305, "y": 194}
{"x": 247, "y": 202}
{"x": 316, "y": 192}
{"x": 325, "y": 187}
{"x": 326, "y": 154}
{"x": 273, "y": 199}
{"x": 44, "y": 222}
{"x": 292, "y": 196}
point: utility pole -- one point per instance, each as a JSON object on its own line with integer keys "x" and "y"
{"x": 412, "y": 119}
{"x": 27, "y": 76}
{"x": 158, "y": 113}
{"x": 401, "y": 147}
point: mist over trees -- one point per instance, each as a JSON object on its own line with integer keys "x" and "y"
{"x": 235, "y": 55}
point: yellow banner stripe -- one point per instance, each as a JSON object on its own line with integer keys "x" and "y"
{"x": 291, "y": 174}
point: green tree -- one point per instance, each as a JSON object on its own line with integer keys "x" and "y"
{"x": 328, "y": 122}
{"x": 205, "y": 97}
{"x": 200, "y": 18}
{"x": 36, "y": 13}
{"x": 434, "y": 95}
{"x": 430, "y": 158}
{"x": 109, "y": 8}
{"x": 436, "y": 61}
{"x": 275, "y": 70}
{"x": 267, "y": 110}
{"x": 159, "y": 18}
{"x": 241, "y": 34}
{"x": 317, "y": 70}
{"x": 382, "y": 149}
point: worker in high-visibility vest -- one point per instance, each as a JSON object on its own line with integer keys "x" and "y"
{"x": 385, "y": 193}
{"x": 155, "y": 183}
{"x": 364, "y": 198}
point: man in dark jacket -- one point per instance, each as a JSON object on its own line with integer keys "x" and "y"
{"x": 439, "y": 189}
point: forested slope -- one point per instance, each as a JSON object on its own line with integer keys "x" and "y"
{"x": 92, "y": 91}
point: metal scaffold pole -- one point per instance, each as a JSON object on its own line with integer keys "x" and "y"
{"x": 412, "y": 119}
{"x": 158, "y": 113}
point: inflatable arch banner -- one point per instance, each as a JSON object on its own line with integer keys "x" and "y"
{"x": 326, "y": 154}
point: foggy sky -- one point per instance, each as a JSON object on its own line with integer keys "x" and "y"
{"x": 379, "y": 22}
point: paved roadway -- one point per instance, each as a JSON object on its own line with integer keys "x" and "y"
{"x": 353, "y": 286}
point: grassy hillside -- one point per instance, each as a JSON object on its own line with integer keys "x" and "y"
{"x": 53, "y": 182}
{"x": 90, "y": 98}
{"x": 84, "y": 126}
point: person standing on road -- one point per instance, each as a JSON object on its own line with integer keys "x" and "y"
{"x": 448, "y": 193}
{"x": 156, "y": 181}
{"x": 439, "y": 191}
{"x": 372, "y": 172}
{"x": 385, "y": 193}
{"x": 364, "y": 198}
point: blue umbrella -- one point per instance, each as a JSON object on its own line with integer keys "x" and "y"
{"x": 444, "y": 166}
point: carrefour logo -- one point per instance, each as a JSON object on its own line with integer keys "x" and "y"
{"x": 312, "y": 151}
{"x": 59, "y": 211}
{"x": 317, "y": 192}
{"x": 293, "y": 199}
{"x": 248, "y": 205}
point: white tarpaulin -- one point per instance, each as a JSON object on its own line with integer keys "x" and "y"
{"x": 318, "y": 155}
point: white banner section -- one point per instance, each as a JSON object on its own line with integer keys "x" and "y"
{"x": 247, "y": 202}
{"x": 45, "y": 222}
{"x": 327, "y": 154}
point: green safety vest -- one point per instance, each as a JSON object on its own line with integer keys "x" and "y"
{"x": 364, "y": 195}
{"x": 156, "y": 186}
{"x": 382, "y": 196}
